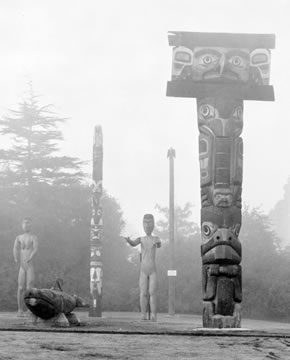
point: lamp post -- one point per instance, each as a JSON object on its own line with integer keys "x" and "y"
{"x": 171, "y": 272}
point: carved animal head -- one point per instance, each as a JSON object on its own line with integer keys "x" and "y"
{"x": 220, "y": 228}
{"x": 80, "y": 302}
{"x": 44, "y": 303}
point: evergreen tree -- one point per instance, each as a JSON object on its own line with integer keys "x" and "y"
{"x": 280, "y": 216}
{"x": 32, "y": 157}
{"x": 61, "y": 221}
{"x": 187, "y": 260}
{"x": 184, "y": 227}
{"x": 265, "y": 268}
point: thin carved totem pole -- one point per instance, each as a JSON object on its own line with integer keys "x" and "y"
{"x": 221, "y": 71}
{"x": 96, "y": 234}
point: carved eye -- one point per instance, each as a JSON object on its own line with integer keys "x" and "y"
{"x": 206, "y": 230}
{"x": 206, "y": 111}
{"x": 207, "y": 59}
{"x": 238, "y": 113}
{"x": 237, "y": 229}
{"x": 260, "y": 57}
{"x": 237, "y": 61}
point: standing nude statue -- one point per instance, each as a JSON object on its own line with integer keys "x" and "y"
{"x": 148, "y": 276}
{"x": 25, "y": 247}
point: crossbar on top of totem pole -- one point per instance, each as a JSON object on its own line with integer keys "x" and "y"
{"x": 253, "y": 48}
{"x": 221, "y": 71}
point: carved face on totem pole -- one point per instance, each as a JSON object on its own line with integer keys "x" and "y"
{"x": 219, "y": 236}
{"x": 223, "y": 118}
{"x": 219, "y": 64}
{"x": 220, "y": 151}
{"x": 96, "y": 276}
{"x": 148, "y": 224}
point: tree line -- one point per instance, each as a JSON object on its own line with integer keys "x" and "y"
{"x": 36, "y": 181}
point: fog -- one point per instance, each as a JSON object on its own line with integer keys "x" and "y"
{"x": 108, "y": 63}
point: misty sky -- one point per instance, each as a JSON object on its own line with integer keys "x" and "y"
{"x": 107, "y": 63}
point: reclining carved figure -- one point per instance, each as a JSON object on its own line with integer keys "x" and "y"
{"x": 54, "y": 305}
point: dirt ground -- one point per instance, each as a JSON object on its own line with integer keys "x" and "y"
{"x": 124, "y": 336}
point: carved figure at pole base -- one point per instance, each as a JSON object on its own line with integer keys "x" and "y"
{"x": 148, "y": 275}
{"x": 53, "y": 306}
{"x": 210, "y": 320}
{"x": 222, "y": 298}
{"x": 25, "y": 248}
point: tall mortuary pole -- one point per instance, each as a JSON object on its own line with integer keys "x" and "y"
{"x": 96, "y": 234}
{"x": 221, "y": 70}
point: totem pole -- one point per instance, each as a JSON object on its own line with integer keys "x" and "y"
{"x": 96, "y": 234}
{"x": 221, "y": 70}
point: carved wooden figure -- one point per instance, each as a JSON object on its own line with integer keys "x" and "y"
{"x": 221, "y": 70}
{"x": 54, "y": 306}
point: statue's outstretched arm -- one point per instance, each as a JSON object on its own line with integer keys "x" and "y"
{"x": 133, "y": 242}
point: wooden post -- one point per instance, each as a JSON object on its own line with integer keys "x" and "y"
{"x": 171, "y": 272}
{"x": 96, "y": 234}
